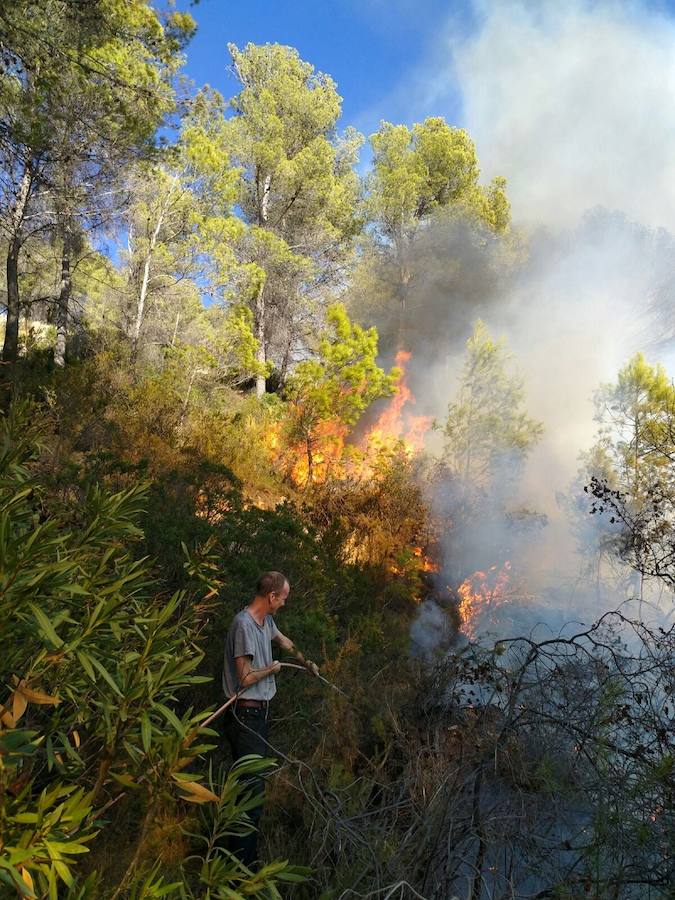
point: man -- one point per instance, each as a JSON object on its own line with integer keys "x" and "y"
{"x": 248, "y": 672}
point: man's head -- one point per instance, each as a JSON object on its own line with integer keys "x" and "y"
{"x": 273, "y": 587}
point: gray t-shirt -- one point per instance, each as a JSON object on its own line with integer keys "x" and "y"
{"x": 247, "y": 638}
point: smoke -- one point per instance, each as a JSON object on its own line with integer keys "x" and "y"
{"x": 573, "y": 103}
{"x": 430, "y": 631}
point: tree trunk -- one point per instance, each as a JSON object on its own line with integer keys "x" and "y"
{"x": 63, "y": 308}
{"x": 136, "y": 858}
{"x": 175, "y": 330}
{"x": 105, "y": 762}
{"x": 259, "y": 312}
{"x": 10, "y": 348}
{"x": 405, "y": 276}
{"x": 283, "y": 372}
{"x": 310, "y": 461}
{"x": 261, "y": 356}
{"x": 143, "y": 291}
{"x": 265, "y": 200}
{"x": 145, "y": 278}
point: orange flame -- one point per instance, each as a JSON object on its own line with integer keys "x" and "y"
{"x": 333, "y": 456}
{"x": 412, "y": 563}
{"x": 272, "y": 437}
{"x": 426, "y": 564}
{"x": 396, "y": 422}
{"x": 480, "y": 595}
{"x": 328, "y": 448}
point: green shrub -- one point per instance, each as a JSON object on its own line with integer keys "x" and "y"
{"x": 95, "y": 657}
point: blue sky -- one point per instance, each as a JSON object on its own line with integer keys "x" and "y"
{"x": 368, "y": 46}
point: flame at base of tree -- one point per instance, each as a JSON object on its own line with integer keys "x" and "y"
{"x": 329, "y": 454}
{"x": 397, "y": 422}
{"x": 426, "y": 563}
{"x": 413, "y": 561}
{"x": 481, "y": 596}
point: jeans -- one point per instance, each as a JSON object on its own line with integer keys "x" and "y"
{"x": 246, "y": 730}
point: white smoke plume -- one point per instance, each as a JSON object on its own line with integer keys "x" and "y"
{"x": 573, "y": 103}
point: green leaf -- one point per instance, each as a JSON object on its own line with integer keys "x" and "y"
{"x": 67, "y": 847}
{"x": 52, "y": 884}
{"x": 106, "y": 675}
{"x": 146, "y": 731}
{"x": 77, "y": 590}
{"x": 64, "y": 872}
{"x": 19, "y": 741}
{"x": 124, "y": 779}
{"x": 49, "y": 749}
{"x": 46, "y": 627}
{"x": 170, "y": 717}
{"x": 85, "y": 662}
{"x": 295, "y": 874}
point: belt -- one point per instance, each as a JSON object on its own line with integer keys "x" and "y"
{"x": 248, "y": 701}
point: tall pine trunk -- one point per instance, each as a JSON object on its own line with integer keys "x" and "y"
{"x": 403, "y": 290}
{"x": 260, "y": 354}
{"x": 142, "y": 297}
{"x": 10, "y": 347}
{"x": 285, "y": 362}
{"x": 143, "y": 290}
{"x": 259, "y": 311}
{"x": 63, "y": 308}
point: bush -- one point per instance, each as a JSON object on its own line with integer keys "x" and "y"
{"x": 94, "y": 659}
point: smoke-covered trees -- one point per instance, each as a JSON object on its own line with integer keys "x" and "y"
{"x": 487, "y": 437}
{"x": 420, "y": 175}
{"x": 487, "y": 433}
{"x": 568, "y": 771}
{"x": 630, "y": 474}
{"x": 636, "y": 418}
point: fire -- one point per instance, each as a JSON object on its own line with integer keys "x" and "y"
{"x": 397, "y": 422}
{"x": 426, "y": 564}
{"x": 327, "y": 453}
{"x": 332, "y": 455}
{"x": 410, "y": 564}
{"x": 328, "y": 450}
{"x": 480, "y": 595}
{"x": 271, "y": 438}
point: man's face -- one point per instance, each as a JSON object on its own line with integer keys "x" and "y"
{"x": 277, "y": 600}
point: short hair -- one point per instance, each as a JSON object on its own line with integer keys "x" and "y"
{"x": 270, "y": 581}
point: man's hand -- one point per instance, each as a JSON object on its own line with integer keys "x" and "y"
{"x": 275, "y": 668}
{"x": 288, "y": 645}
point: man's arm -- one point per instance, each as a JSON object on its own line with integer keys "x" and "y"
{"x": 287, "y": 644}
{"x": 247, "y": 676}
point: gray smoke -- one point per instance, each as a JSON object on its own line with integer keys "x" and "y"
{"x": 573, "y": 103}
